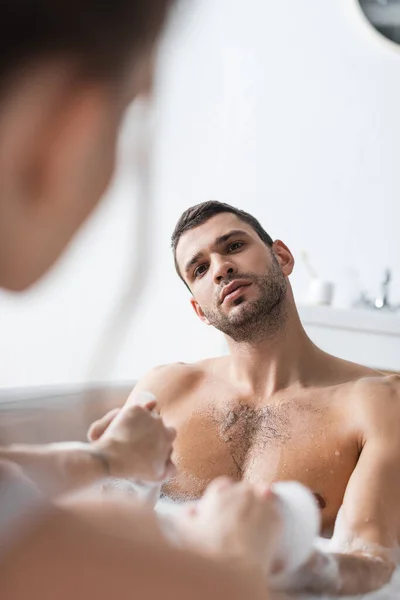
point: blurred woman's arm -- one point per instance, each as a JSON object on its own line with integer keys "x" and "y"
{"x": 136, "y": 445}
{"x": 62, "y": 557}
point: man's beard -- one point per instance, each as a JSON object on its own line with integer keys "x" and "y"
{"x": 258, "y": 319}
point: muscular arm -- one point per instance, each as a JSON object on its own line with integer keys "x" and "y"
{"x": 367, "y": 529}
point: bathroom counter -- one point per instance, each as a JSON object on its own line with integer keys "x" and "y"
{"x": 361, "y": 335}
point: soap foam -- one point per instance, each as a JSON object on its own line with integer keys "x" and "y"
{"x": 388, "y": 592}
{"x": 301, "y": 524}
{"x": 336, "y": 544}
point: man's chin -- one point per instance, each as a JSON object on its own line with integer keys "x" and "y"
{"x": 240, "y": 313}
{"x": 238, "y": 304}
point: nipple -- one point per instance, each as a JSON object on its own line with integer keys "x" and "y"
{"x": 320, "y": 500}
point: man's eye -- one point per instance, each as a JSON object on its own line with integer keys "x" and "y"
{"x": 235, "y": 246}
{"x": 200, "y": 270}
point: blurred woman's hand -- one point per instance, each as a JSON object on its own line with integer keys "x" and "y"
{"x": 136, "y": 443}
{"x": 236, "y": 521}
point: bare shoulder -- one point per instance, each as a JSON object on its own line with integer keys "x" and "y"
{"x": 378, "y": 387}
{"x": 376, "y": 401}
{"x": 170, "y": 382}
{"x": 352, "y": 380}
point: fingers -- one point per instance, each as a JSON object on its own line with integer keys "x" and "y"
{"x": 191, "y": 510}
{"x": 170, "y": 470}
{"x": 151, "y": 405}
{"x": 97, "y": 429}
{"x": 247, "y": 492}
{"x": 142, "y": 399}
{"x": 171, "y": 433}
{"x": 218, "y": 485}
{"x": 137, "y": 430}
{"x": 264, "y": 491}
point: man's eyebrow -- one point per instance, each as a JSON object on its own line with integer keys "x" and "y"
{"x": 193, "y": 261}
{"x": 227, "y": 236}
{"x": 218, "y": 242}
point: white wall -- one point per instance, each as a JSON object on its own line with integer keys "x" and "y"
{"x": 287, "y": 109}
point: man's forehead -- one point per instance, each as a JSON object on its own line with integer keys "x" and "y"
{"x": 201, "y": 237}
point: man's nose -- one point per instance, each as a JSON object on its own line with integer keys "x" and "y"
{"x": 224, "y": 270}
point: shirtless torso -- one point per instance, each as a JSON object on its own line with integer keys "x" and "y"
{"x": 313, "y": 434}
{"x": 277, "y": 407}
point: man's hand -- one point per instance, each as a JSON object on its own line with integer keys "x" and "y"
{"x": 136, "y": 444}
{"x": 340, "y": 574}
{"x": 236, "y": 522}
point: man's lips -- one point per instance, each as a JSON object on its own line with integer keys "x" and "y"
{"x": 233, "y": 290}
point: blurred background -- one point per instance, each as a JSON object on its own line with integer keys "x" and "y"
{"x": 288, "y": 110}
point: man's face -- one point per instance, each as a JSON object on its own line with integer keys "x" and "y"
{"x": 237, "y": 281}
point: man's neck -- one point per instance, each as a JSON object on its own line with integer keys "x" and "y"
{"x": 273, "y": 363}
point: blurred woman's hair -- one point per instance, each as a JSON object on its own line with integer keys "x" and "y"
{"x": 98, "y": 37}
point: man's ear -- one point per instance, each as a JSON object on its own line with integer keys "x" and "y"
{"x": 199, "y": 311}
{"x": 284, "y": 257}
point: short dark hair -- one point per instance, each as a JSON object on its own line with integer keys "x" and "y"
{"x": 201, "y": 213}
{"x": 99, "y": 36}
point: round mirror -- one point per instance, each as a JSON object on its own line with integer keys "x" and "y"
{"x": 384, "y": 16}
